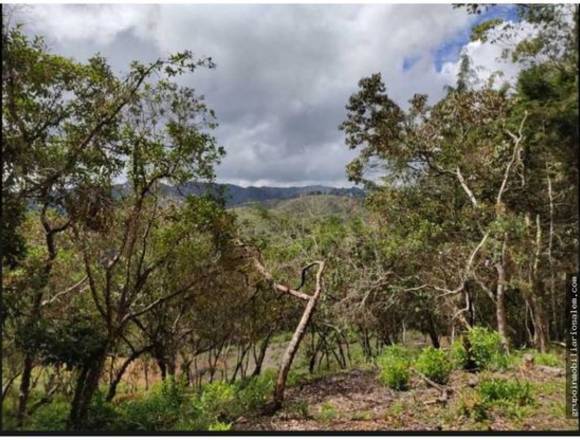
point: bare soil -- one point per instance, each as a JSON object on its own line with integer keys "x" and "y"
{"x": 356, "y": 401}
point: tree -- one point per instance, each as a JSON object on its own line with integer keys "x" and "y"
{"x": 467, "y": 143}
{"x": 71, "y": 129}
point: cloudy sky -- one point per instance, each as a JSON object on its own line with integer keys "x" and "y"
{"x": 284, "y": 72}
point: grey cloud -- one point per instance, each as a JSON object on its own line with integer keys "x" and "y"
{"x": 284, "y": 72}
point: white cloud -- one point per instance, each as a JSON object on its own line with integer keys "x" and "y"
{"x": 77, "y": 23}
{"x": 284, "y": 72}
{"x": 486, "y": 58}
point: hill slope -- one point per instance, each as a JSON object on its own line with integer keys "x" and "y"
{"x": 237, "y": 195}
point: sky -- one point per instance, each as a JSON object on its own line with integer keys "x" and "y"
{"x": 284, "y": 72}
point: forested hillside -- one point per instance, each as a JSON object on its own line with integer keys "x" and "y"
{"x": 234, "y": 195}
{"x": 434, "y": 302}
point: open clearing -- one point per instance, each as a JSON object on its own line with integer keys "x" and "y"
{"x": 356, "y": 401}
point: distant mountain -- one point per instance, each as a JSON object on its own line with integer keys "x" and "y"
{"x": 235, "y": 195}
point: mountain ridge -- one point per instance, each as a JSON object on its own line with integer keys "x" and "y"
{"x": 236, "y": 195}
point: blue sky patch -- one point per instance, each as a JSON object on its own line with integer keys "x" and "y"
{"x": 409, "y": 62}
{"x": 450, "y": 50}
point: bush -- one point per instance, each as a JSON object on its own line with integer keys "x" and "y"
{"x": 218, "y": 399}
{"x": 434, "y": 364}
{"x": 394, "y": 367}
{"x": 472, "y": 406}
{"x": 505, "y": 391}
{"x": 511, "y": 397}
{"x": 459, "y": 356}
{"x": 159, "y": 410}
{"x": 485, "y": 350}
{"x": 51, "y": 417}
{"x": 254, "y": 392}
{"x": 103, "y": 415}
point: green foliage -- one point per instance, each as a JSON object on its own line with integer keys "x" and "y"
{"x": 510, "y": 397}
{"x": 220, "y": 403}
{"x": 480, "y": 31}
{"x": 472, "y": 406}
{"x": 327, "y": 412}
{"x": 548, "y": 359}
{"x": 74, "y": 342}
{"x": 504, "y": 390}
{"x": 297, "y": 409}
{"x": 219, "y": 426}
{"x": 103, "y": 415}
{"x": 394, "y": 366}
{"x": 173, "y": 276}
{"x": 218, "y": 399}
{"x": 255, "y": 392}
{"x": 435, "y": 364}
{"x": 160, "y": 409}
{"x": 484, "y": 350}
{"x": 50, "y": 417}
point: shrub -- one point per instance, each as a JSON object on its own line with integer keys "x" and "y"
{"x": 394, "y": 367}
{"x": 158, "y": 410}
{"x": 485, "y": 350}
{"x": 505, "y": 391}
{"x": 220, "y": 403}
{"x": 254, "y": 392}
{"x": 459, "y": 356}
{"x": 218, "y": 399}
{"x": 103, "y": 415}
{"x": 434, "y": 364}
{"x": 51, "y": 417}
{"x": 472, "y": 406}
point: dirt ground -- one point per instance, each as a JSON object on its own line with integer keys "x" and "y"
{"x": 356, "y": 401}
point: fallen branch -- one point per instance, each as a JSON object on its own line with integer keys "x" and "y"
{"x": 429, "y": 381}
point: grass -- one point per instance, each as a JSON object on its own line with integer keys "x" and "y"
{"x": 361, "y": 415}
{"x": 327, "y": 412}
{"x": 297, "y": 409}
{"x": 548, "y": 359}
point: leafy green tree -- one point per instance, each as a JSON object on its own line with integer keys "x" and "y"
{"x": 71, "y": 129}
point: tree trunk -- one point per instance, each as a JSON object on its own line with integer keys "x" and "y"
{"x": 171, "y": 366}
{"x": 119, "y": 376}
{"x": 539, "y": 323}
{"x": 262, "y": 355}
{"x": 434, "y": 338}
{"x": 162, "y": 368}
{"x": 242, "y": 352}
{"x": 500, "y": 307}
{"x": 433, "y": 332}
{"x": 295, "y": 341}
{"x": 24, "y": 389}
{"x": 87, "y": 384}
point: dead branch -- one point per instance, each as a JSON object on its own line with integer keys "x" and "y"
{"x": 465, "y": 187}
{"x": 66, "y": 292}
